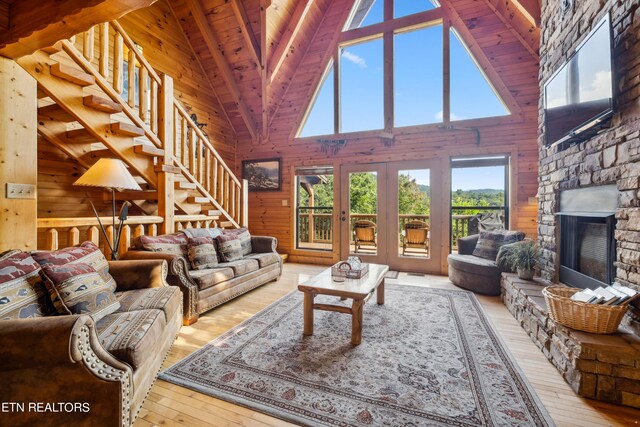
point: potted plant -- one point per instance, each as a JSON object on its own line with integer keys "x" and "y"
{"x": 524, "y": 258}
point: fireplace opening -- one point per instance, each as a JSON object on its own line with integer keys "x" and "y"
{"x": 587, "y": 250}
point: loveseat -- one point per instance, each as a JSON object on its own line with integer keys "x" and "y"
{"x": 69, "y": 369}
{"x": 480, "y": 272}
{"x": 207, "y": 288}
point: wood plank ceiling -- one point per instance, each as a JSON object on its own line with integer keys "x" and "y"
{"x": 251, "y": 48}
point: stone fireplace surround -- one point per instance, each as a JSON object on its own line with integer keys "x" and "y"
{"x": 604, "y": 367}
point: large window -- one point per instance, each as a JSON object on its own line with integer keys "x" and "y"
{"x": 390, "y": 70}
{"x": 314, "y": 208}
{"x": 361, "y": 86}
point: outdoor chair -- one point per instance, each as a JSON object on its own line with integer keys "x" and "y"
{"x": 415, "y": 235}
{"x": 364, "y": 233}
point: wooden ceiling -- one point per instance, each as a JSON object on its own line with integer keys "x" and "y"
{"x": 251, "y": 49}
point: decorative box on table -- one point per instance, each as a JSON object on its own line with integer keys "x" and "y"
{"x": 351, "y": 269}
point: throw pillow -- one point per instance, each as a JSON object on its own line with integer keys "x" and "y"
{"x": 22, "y": 292}
{"x": 202, "y": 253}
{"x": 86, "y": 253}
{"x": 489, "y": 242}
{"x": 212, "y": 232}
{"x": 79, "y": 289}
{"x": 245, "y": 239}
{"x": 230, "y": 247}
{"x": 175, "y": 244}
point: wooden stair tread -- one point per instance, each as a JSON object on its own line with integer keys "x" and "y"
{"x": 148, "y": 150}
{"x": 211, "y": 212}
{"x": 56, "y": 112}
{"x": 81, "y": 135}
{"x": 102, "y": 104}
{"x": 126, "y": 129}
{"x": 72, "y": 75}
{"x": 226, "y": 224}
{"x": 55, "y": 48}
{"x": 167, "y": 168}
{"x": 197, "y": 199}
{"x": 185, "y": 185}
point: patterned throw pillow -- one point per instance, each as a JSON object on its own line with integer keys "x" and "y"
{"x": 175, "y": 244}
{"x": 212, "y": 232}
{"x": 230, "y": 247}
{"x": 22, "y": 292}
{"x": 245, "y": 239}
{"x": 489, "y": 242}
{"x": 79, "y": 289}
{"x": 86, "y": 253}
{"x": 202, "y": 253}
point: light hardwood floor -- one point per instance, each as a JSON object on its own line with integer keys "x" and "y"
{"x": 172, "y": 405}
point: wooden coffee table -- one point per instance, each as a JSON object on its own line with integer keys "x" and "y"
{"x": 359, "y": 290}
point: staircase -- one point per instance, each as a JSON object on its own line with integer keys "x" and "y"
{"x": 91, "y": 107}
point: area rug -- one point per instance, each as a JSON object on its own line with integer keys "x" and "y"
{"x": 391, "y": 274}
{"x": 428, "y": 357}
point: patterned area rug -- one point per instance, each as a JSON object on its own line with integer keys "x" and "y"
{"x": 428, "y": 357}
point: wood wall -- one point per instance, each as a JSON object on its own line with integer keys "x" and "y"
{"x": 17, "y": 155}
{"x": 168, "y": 51}
{"x": 517, "y": 134}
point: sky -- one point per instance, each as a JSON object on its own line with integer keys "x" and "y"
{"x": 465, "y": 178}
{"x": 418, "y": 79}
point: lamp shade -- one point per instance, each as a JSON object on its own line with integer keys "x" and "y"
{"x": 108, "y": 173}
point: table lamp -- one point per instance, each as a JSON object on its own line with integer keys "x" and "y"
{"x": 114, "y": 175}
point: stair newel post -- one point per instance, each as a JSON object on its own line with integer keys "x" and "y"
{"x": 166, "y": 180}
{"x": 245, "y": 204}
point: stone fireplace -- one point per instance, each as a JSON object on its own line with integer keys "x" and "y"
{"x": 593, "y": 186}
{"x": 586, "y": 236}
{"x": 589, "y": 212}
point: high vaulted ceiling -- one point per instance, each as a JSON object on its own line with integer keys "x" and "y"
{"x": 251, "y": 48}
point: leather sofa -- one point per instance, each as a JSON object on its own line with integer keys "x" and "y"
{"x": 91, "y": 373}
{"x": 206, "y": 289}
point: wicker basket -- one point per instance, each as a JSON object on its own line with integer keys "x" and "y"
{"x": 594, "y": 318}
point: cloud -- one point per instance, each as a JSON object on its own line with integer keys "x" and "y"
{"x": 599, "y": 87}
{"x": 452, "y": 116}
{"x": 352, "y": 57}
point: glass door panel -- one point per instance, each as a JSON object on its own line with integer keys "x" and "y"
{"x": 363, "y": 212}
{"x": 414, "y": 206}
{"x": 414, "y": 220}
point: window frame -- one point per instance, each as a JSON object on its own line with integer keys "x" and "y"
{"x": 386, "y": 29}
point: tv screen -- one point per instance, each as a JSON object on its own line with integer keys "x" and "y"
{"x": 580, "y": 94}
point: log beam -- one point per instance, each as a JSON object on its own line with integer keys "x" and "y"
{"x": 286, "y": 41}
{"x": 225, "y": 70}
{"x": 526, "y": 32}
{"x": 247, "y": 31}
{"x": 34, "y": 24}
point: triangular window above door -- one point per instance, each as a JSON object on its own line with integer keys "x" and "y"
{"x": 409, "y": 7}
{"x": 320, "y": 116}
{"x": 472, "y": 95}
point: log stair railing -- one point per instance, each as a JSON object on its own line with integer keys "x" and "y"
{"x": 91, "y": 107}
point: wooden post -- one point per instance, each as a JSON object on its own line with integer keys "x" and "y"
{"x": 93, "y": 234}
{"x": 18, "y": 156}
{"x": 308, "y": 313}
{"x": 245, "y": 204}
{"x": 51, "y": 240}
{"x": 125, "y": 240}
{"x": 166, "y": 180}
{"x": 73, "y": 237}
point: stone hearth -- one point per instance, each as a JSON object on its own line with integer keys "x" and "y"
{"x": 602, "y": 367}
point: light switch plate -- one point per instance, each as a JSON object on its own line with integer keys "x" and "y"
{"x": 21, "y": 191}
{"x": 285, "y": 202}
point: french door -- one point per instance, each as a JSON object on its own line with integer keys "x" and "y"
{"x": 390, "y": 213}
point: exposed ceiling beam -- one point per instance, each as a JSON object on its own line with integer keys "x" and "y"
{"x": 523, "y": 30}
{"x": 4, "y": 16}
{"x": 532, "y": 10}
{"x": 34, "y": 24}
{"x": 227, "y": 74}
{"x": 247, "y": 32}
{"x": 286, "y": 41}
{"x": 204, "y": 73}
{"x": 264, "y": 98}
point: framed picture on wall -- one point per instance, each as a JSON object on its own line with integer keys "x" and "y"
{"x": 263, "y": 174}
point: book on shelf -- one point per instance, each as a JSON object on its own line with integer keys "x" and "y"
{"x": 615, "y": 294}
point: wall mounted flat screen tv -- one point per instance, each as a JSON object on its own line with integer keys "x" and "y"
{"x": 579, "y": 96}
